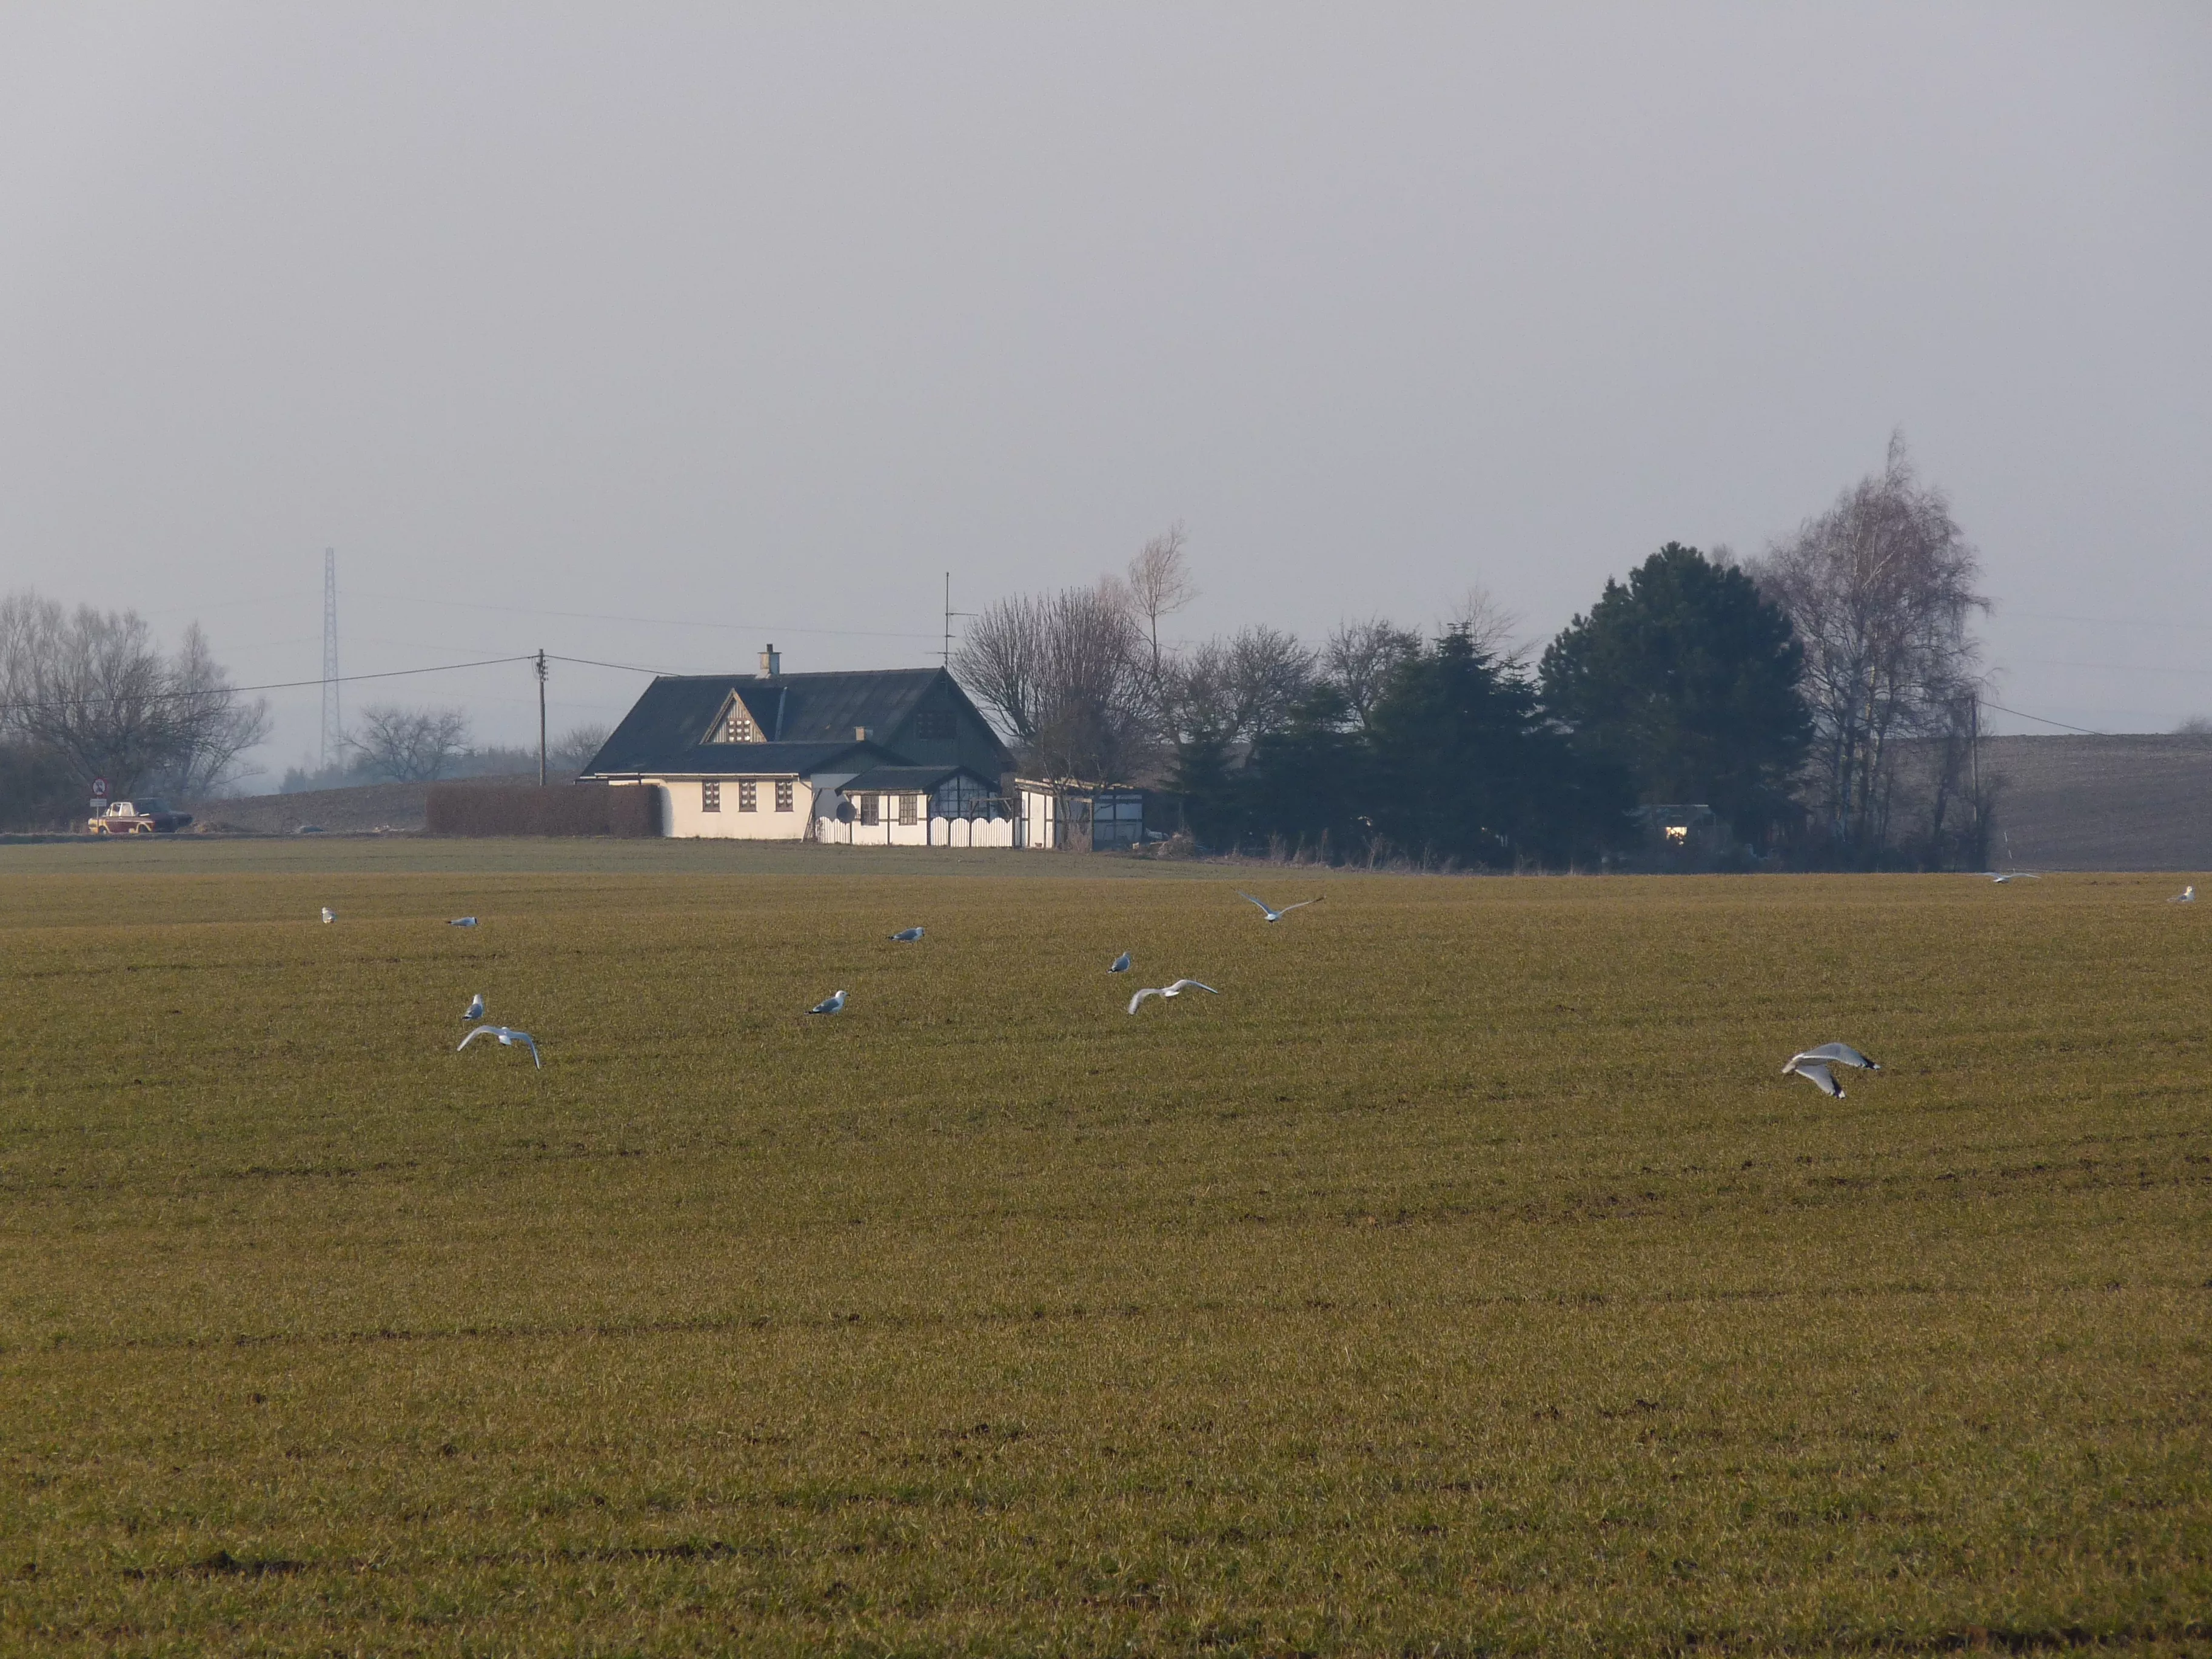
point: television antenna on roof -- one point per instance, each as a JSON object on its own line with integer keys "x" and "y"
{"x": 333, "y": 724}
{"x": 950, "y": 613}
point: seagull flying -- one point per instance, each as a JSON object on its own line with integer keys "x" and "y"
{"x": 835, "y": 1005}
{"x": 906, "y": 936}
{"x": 1171, "y": 991}
{"x": 1276, "y": 915}
{"x": 1816, "y": 1066}
{"x": 2009, "y": 875}
{"x": 2187, "y": 896}
{"x": 1121, "y": 963}
{"x": 508, "y": 1036}
{"x": 329, "y": 915}
{"x": 462, "y": 922}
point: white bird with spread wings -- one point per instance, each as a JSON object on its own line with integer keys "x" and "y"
{"x": 1817, "y": 1066}
{"x": 508, "y": 1037}
{"x": 1272, "y": 914}
{"x": 1170, "y": 991}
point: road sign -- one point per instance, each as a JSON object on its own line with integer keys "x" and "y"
{"x": 99, "y": 787}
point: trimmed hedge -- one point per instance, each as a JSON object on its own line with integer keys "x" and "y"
{"x": 577, "y": 809}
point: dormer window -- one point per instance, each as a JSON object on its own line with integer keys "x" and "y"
{"x": 736, "y": 724}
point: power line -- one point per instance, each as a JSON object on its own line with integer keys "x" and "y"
{"x": 2040, "y": 719}
{"x": 654, "y": 622}
{"x": 283, "y": 685}
{"x": 2106, "y": 621}
{"x": 627, "y": 667}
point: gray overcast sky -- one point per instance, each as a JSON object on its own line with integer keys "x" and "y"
{"x": 751, "y": 326}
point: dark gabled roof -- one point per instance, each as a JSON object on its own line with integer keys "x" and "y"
{"x": 907, "y": 779}
{"x": 663, "y": 732}
{"x": 763, "y": 759}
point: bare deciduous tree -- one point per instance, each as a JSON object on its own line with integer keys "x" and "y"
{"x": 1241, "y": 688}
{"x": 93, "y": 688}
{"x": 1065, "y": 676}
{"x": 1160, "y": 585}
{"x": 573, "y": 749}
{"x": 220, "y": 726}
{"x": 1268, "y": 672}
{"x": 410, "y": 745}
{"x": 1000, "y": 664}
{"x": 1880, "y": 590}
{"x": 1360, "y": 657}
{"x": 1493, "y": 630}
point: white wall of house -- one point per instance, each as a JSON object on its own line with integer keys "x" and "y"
{"x": 813, "y": 815}
{"x": 683, "y": 810}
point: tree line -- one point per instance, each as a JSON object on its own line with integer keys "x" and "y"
{"x": 1823, "y": 700}
{"x": 390, "y": 743}
{"x": 87, "y": 693}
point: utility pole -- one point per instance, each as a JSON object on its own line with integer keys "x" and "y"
{"x": 541, "y": 717}
{"x": 333, "y": 724}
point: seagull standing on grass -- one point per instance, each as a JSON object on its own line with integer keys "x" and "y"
{"x": 1275, "y": 915}
{"x": 507, "y": 1038}
{"x": 1816, "y": 1066}
{"x": 906, "y": 936}
{"x": 1121, "y": 963}
{"x": 2187, "y": 896}
{"x": 1169, "y": 991}
{"x": 329, "y": 915}
{"x": 475, "y": 1008}
{"x": 462, "y": 922}
{"x": 835, "y": 1005}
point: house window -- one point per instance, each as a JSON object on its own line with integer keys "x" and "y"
{"x": 934, "y": 723}
{"x": 710, "y": 797}
{"x": 739, "y": 727}
{"x": 868, "y": 809}
{"x": 749, "y": 796}
{"x": 907, "y": 805}
{"x": 783, "y": 796}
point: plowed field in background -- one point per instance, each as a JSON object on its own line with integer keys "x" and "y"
{"x": 1462, "y": 1278}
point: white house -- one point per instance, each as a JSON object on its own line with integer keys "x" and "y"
{"x": 896, "y": 757}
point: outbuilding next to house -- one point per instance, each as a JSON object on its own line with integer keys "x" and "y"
{"x": 894, "y": 755}
{"x": 1067, "y": 815}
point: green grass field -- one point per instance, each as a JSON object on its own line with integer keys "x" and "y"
{"x": 1463, "y": 1279}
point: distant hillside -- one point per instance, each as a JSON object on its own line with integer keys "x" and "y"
{"x": 393, "y": 806}
{"x": 2116, "y": 803}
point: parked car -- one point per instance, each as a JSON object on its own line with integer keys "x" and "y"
{"x": 149, "y": 814}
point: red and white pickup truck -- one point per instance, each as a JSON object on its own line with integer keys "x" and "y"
{"x": 146, "y": 816}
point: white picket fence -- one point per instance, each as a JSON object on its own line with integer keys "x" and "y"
{"x": 927, "y": 832}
